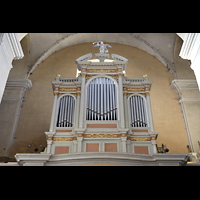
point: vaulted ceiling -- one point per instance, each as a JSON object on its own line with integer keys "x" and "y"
{"x": 160, "y": 45}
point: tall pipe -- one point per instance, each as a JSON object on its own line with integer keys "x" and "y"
{"x": 95, "y": 100}
{"x": 142, "y": 112}
{"x": 99, "y": 97}
{"x": 61, "y": 112}
{"x": 139, "y": 109}
{"x": 108, "y": 100}
{"x": 72, "y": 114}
{"x": 113, "y": 98}
{"x": 105, "y": 98}
{"x": 68, "y": 112}
{"x": 92, "y": 100}
{"x": 111, "y": 105}
{"x": 135, "y": 114}
{"x": 132, "y": 112}
{"x": 101, "y": 86}
{"x": 65, "y": 110}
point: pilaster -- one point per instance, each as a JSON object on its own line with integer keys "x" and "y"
{"x": 10, "y": 109}
{"x": 53, "y": 115}
{"x": 190, "y": 103}
{"x": 79, "y": 144}
{"x": 126, "y": 110}
{"x": 10, "y": 49}
{"x": 81, "y": 117}
{"x": 121, "y": 101}
{"x": 150, "y": 117}
{"x": 77, "y": 109}
{"x": 123, "y": 140}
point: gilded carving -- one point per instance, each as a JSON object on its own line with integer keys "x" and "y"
{"x": 125, "y": 93}
{"x": 120, "y": 75}
{"x": 136, "y": 89}
{"x": 62, "y": 139}
{"x": 67, "y": 89}
{"x": 115, "y": 77}
{"x": 88, "y": 77}
{"x": 140, "y": 139}
{"x": 101, "y": 70}
{"x": 100, "y": 135}
{"x": 83, "y": 75}
{"x": 147, "y": 93}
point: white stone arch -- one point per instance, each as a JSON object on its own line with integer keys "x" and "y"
{"x": 131, "y": 39}
{"x": 117, "y": 92}
{"x": 146, "y": 110}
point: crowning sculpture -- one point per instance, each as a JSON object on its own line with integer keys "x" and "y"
{"x": 103, "y": 47}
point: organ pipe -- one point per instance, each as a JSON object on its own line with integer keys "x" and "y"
{"x": 138, "y": 115}
{"x": 66, "y": 112}
{"x": 102, "y": 96}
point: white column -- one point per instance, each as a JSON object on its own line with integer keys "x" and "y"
{"x": 126, "y": 110}
{"x": 154, "y": 146}
{"x": 123, "y": 140}
{"x": 77, "y": 109}
{"x": 49, "y": 143}
{"x": 79, "y": 142}
{"x": 82, "y": 106}
{"x": 53, "y": 115}
{"x": 150, "y": 117}
{"x": 75, "y": 146}
{"x": 121, "y": 103}
{"x": 128, "y": 142}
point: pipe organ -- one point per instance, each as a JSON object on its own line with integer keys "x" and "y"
{"x": 101, "y": 110}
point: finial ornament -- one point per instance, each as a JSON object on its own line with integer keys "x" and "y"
{"x": 103, "y": 47}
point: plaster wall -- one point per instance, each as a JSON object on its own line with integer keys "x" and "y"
{"x": 36, "y": 111}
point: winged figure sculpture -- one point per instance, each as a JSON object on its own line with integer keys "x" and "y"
{"x": 103, "y": 47}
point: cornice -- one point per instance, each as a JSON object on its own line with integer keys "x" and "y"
{"x": 19, "y": 83}
{"x": 185, "y": 84}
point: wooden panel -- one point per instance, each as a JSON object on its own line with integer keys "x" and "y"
{"x": 110, "y": 147}
{"x": 101, "y": 125}
{"x": 61, "y": 149}
{"x": 92, "y": 147}
{"x": 141, "y": 149}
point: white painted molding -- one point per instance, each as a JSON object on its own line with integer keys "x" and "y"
{"x": 25, "y": 83}
{"x": 21, "y": 35}
{"x": 13, "y": 46}
{"x": 190, "y": 46}
{"x": 191, "y": 50}
{"x": 10, "y": 49}
{"x": 184, "y": 85}
{"x": 102, "y": 158}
